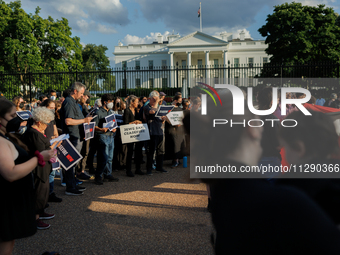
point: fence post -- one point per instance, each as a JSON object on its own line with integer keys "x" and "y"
{"x": 125, "y": 81}
{"x": 177, "y": 77}
{"x": 30, "y": 83}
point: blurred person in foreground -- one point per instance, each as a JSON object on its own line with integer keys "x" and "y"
{"x": 17, "y": 215}
{"x": 269, "y": 219}
{"x": 301, "y": 150}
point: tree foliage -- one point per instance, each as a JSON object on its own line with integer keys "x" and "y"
{"x": 297, "y": 33}
{"x": 30, "y": 43}
{"x": 94, "y": 60}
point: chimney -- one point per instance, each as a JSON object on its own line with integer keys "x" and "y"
{"x": 242, "y": 35}
{"x": 159, "y": 38}
{"x": 173, "y": 37}
{"x": 226, "y": 36}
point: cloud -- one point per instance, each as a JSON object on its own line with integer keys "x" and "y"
{"x": 133, "y": 39}
{"x": 220, "y": 15}
{"x": 86, "y": 15}
{"x": 105, "y": 29}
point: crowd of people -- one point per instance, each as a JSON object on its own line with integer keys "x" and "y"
{"x": 261, "y": 216}
{"x": 28, "y": 175}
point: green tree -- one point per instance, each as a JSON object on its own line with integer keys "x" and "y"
{"x": 96, "y": 65}
{"x": 297, "y": 33}
{"x": 31, "y": 43}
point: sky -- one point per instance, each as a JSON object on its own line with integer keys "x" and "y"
{"x": 109, "y": 22}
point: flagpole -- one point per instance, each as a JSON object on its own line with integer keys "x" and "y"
{"x": 200, "y": 17}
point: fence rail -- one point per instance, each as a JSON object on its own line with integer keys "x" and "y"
{"x": 140, "y": 81}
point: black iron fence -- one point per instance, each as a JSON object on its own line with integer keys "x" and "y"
{"x": 140, "y": 81}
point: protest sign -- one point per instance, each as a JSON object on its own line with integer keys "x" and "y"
{"x": 89, "y": 130}
{"x": 108, "y": 119}
{"x": 67, "y": 154}
{"x": 175, "y": 118}
{"x": 24, "y": 115}
{"x": 134, "y": 133}
{"x": 164, "y": 110}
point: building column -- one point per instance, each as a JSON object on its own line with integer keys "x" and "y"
{"x": 207, "y": 71}
{"x": 172, "y": 78}
{"x": 225, "y": 66}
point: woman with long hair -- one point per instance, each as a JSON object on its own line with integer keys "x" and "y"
{"x": 17, "y": 216}
{"x": 131, "y": 117}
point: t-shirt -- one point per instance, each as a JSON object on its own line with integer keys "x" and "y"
{"x": 100, "y": 119}
{"x": 320, "y": 101}
{"x": 70, "y": 109}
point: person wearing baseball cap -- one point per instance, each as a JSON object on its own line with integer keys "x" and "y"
{"x": 161, "y": 98}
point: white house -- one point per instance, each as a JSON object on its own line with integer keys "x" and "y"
{"x": 199, "y": 54}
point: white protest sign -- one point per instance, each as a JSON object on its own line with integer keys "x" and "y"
{"x": 175, "y": 118}
{"x": 134, "y": 133}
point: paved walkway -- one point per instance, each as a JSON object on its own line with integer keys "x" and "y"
{"x": 160, "y": 214}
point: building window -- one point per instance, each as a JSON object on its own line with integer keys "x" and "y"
{"x": 137, "y": 65}
{"x": 138, "y": 83}
{"x": 164, "y": 82}
{"x": 124, "y": 83}
{"x": 151, "y": 83}
{"x": 265, "y": 60}
{"x": 184, "y": 63}
{"x": 124, "y": 64}
{"x": 163, "y": 64}
{"x": 215, "y": 63}
{"x": 236, "y": 62}
{"x": 250, "y": 62}
{"x": 150, "y": 64}
{"x": 199, "y": 63}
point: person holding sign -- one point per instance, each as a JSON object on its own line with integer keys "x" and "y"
{"x": 72, "y": 120}
{"x": 105, "y": 141}
{"x": 36, "y": 140}
{"x": 17, "y": 214}
{"x": 156, "y": 128}
{"x": 176, "y": 132}
{"x": 131, "y": 117}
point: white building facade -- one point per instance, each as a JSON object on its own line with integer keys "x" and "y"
{"x": 196, "y": 55}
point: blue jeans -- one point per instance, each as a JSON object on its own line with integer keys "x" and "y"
{"x": 104, "y": 154}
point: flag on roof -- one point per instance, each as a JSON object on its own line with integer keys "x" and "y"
{"x": 199, "y": 12}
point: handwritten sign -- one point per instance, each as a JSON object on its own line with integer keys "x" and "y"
{"x": 134, "y": 133}
{"x": 175, "y": 118}
{"x": 67, "y": 154}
